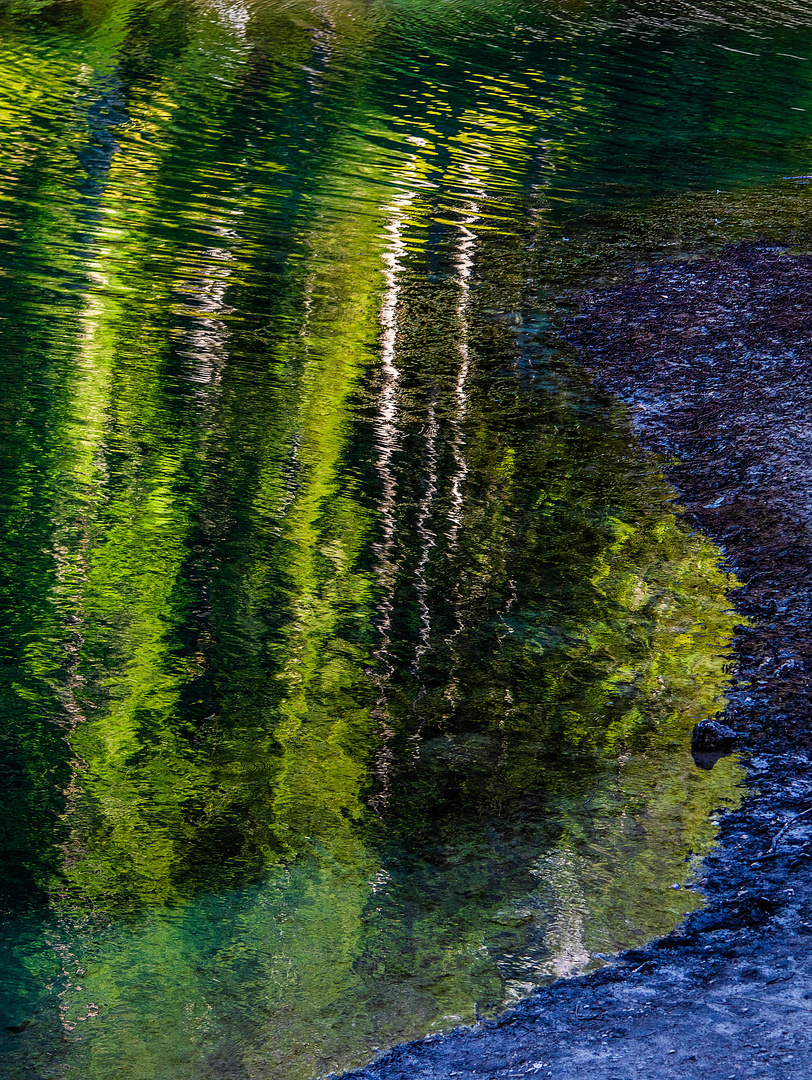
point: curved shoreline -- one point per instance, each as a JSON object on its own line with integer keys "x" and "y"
{"x": 714, "y": 358}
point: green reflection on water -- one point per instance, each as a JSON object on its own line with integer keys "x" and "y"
{"x": 350, "y": 646}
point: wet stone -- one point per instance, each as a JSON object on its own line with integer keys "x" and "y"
{"x": 711, "y": 737}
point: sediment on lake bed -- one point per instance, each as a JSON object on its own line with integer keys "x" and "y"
{"x": 714, "y": 359}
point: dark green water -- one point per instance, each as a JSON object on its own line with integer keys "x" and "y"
{"x": 350, "y": 645}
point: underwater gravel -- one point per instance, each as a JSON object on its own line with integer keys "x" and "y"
{"x": 714, "y": 358}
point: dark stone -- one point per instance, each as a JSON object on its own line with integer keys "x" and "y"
{"x": 709, "y": 736}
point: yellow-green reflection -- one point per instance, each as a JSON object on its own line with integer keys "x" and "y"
{"x": 350, "y": 645}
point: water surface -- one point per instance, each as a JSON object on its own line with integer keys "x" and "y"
{"x": 350, "y": 644}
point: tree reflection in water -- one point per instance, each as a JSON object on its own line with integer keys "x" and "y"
{"x": 350, "y": 644}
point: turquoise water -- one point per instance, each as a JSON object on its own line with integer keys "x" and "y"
{"x": 349, "y": 643}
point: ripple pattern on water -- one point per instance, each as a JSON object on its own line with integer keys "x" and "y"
{"x": 350, "y": 645}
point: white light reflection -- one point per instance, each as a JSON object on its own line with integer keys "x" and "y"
{"x": 465, "y": 266}
{"x": 426, "y": 536}
{"x": 387, "y": 439}
{"x": 205, "y": 342}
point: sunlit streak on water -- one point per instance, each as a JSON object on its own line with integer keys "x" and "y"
{"x": 387, "y": 441}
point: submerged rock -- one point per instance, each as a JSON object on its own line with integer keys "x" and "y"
{"x": 711, "y": 737}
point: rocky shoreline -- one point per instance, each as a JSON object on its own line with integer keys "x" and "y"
{"x": 714, "y": 358}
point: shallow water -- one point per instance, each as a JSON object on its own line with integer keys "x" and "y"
{"x": 350, "y": 644}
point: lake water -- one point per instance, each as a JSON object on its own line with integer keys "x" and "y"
{"x": 350, "y": 643}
